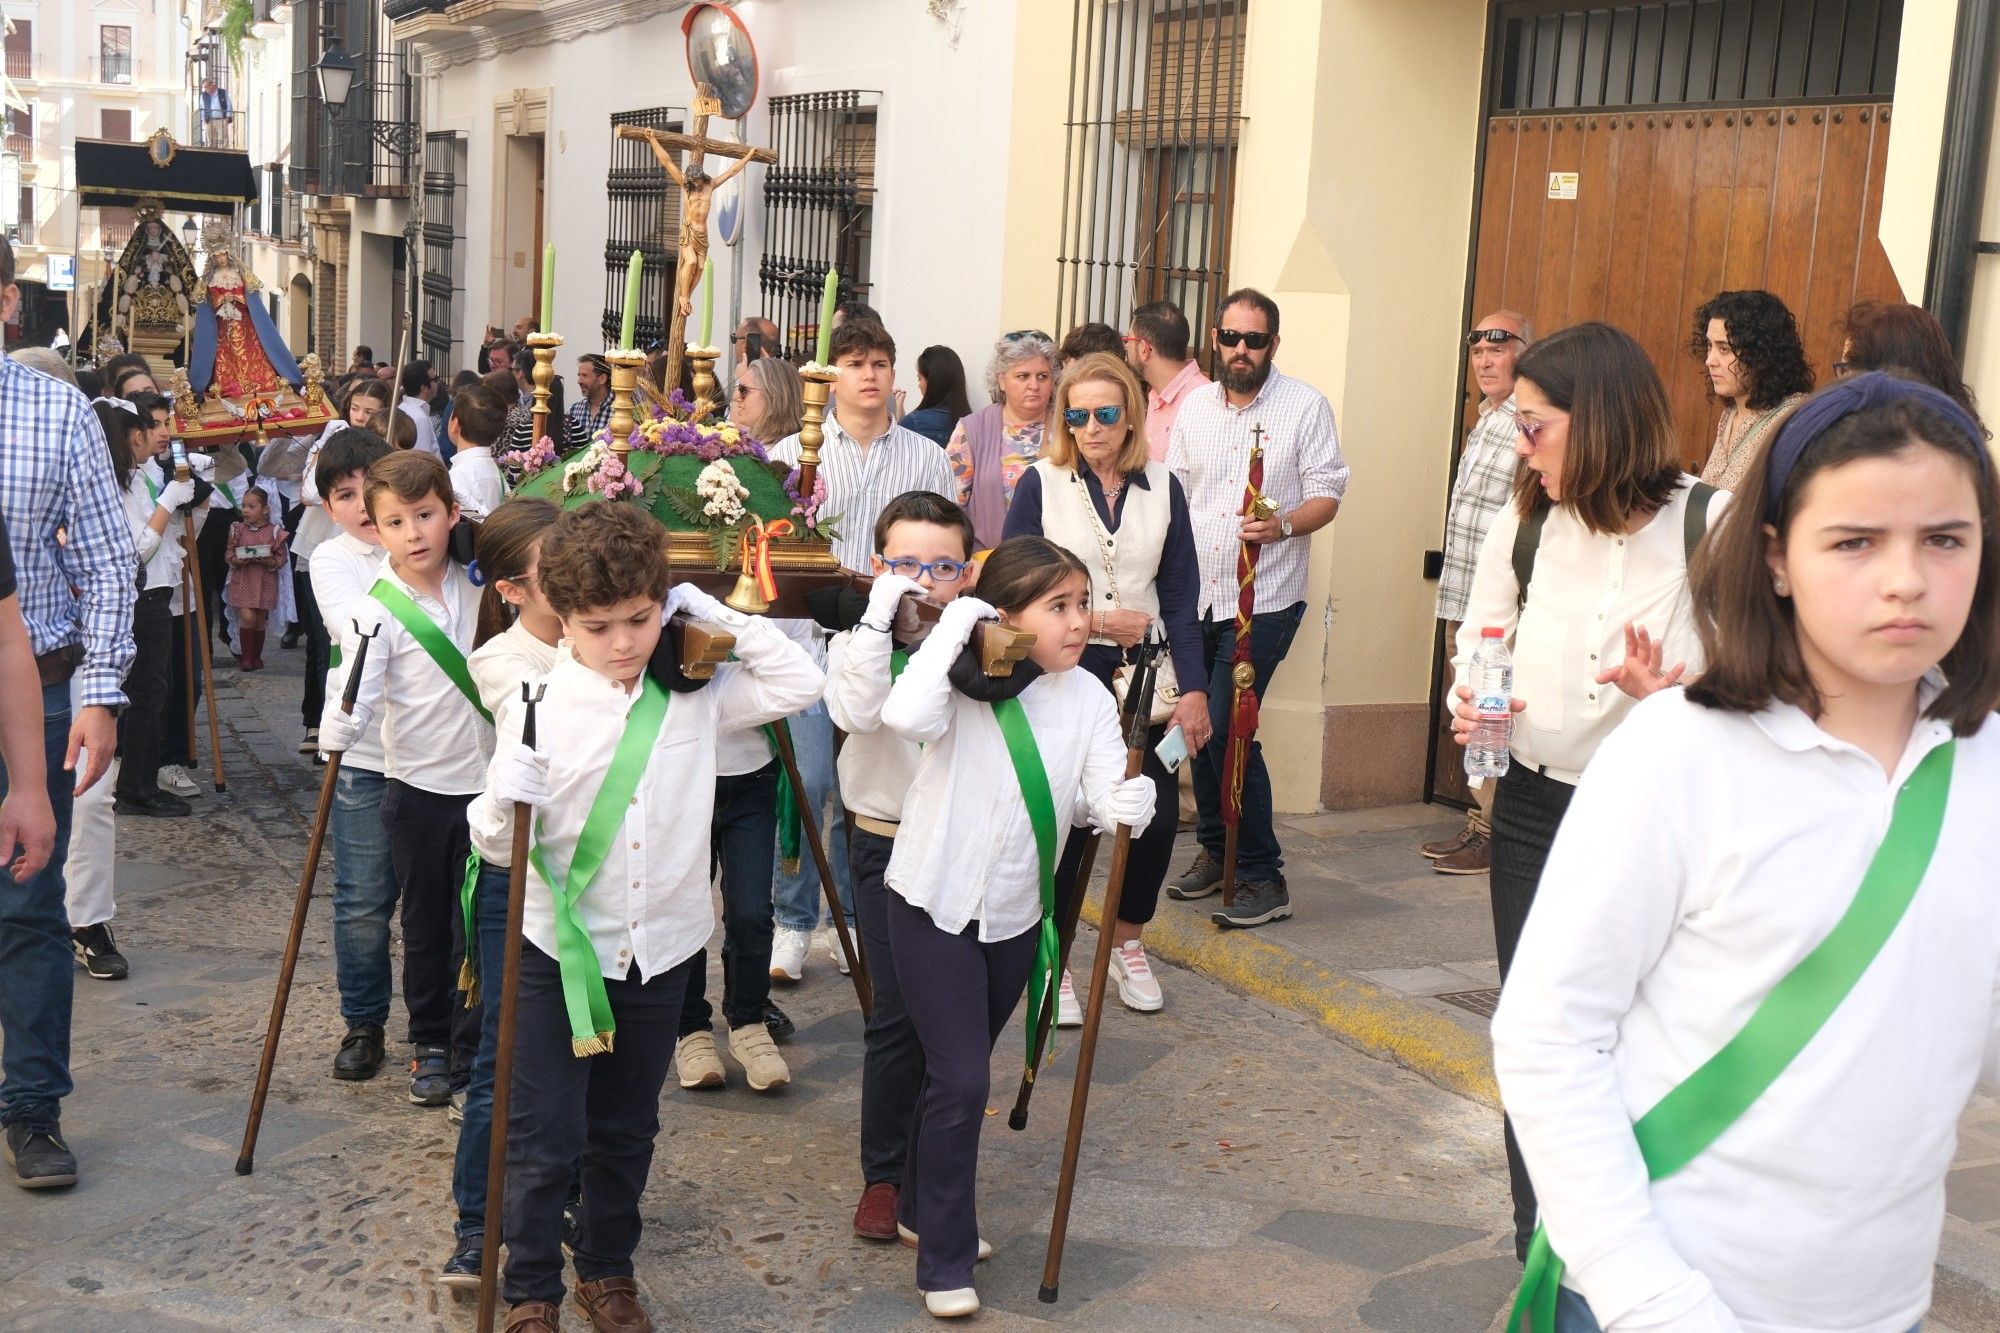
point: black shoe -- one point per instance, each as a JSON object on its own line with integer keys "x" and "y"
{"x": 1258, "y": 902}
{"x": 360, "y": 1054}
{"x": 42, "y": 1161}
{"x": 461, "y": 1271}
{"x": 289, "y": 639}
{"x": 154, "y": 804}
{"x": 572, "y": 1223}
{"x": 98, "y": 952}
{"x": 430, "y": 1076}
{"x": 1198, "y": 880}
{"x": 778, "y": 1024}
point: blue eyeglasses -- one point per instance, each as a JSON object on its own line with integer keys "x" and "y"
{"x": 941, "y": 571}
{"x": 1079, "y": 417}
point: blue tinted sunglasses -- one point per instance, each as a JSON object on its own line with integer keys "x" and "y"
{"x": 1079, "y": 417}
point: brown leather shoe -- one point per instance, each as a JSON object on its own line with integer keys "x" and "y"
{"x": 875, "y": 1216}
{"x": 613, "y": 1305}
{"x": 1475, "y": 858}
{"x": 1446, "y": 846}
{"x": 533, "y": 1317}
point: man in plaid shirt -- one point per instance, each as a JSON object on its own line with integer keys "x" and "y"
{"x": 1482, "y": 488}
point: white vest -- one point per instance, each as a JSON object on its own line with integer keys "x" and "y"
{"x": 1126, "y": 582}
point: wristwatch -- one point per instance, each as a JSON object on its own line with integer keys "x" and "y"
{"x": 1284, "y": 525}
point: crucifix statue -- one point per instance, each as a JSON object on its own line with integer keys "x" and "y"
{"x": 697, "y": 189}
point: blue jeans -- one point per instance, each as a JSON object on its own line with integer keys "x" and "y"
{"x": 364, "y": 897}
{"x": 743, "y": 839}
{"x": 1257, "y": 853}
{"x": 36, "y": 970}
{"x": 475, "y": 1135}
{"x": 797, "y": 900}
{"x": 1573, "y": 1315}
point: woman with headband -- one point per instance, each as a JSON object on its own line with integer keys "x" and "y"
{"x": 1763, "y": 973}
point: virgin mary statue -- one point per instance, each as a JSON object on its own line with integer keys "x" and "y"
{"x": 237, "y": 353}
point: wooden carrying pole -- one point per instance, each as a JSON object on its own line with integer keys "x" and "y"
{"x": 503, "y": 1052}
{"x": 193, "y": 566}
{"x": 857, "y": 966}
{"x": 188, "y": 667}
{"x": 245, "y": 1158}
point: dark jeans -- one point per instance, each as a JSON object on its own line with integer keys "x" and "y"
{"x": 475, "y": 1133}
{"x": 176, "y": 746}
{"x": 960, "y": 992}
{"x": 148, "y": 694}
{"x": 892, "y": 1067}
{"x": 36, "y": 970}
{"x": 428, "y": 843}
{"x": 212, "y": 559}
{"x": 604, "y": 1109}
{"x": 317, "y": 645}
{"x": 1527, "y": 810}
{"x": 1152, "y": 849}
{"x": 1258, "y": 856}
{"x": 744, "y": 834}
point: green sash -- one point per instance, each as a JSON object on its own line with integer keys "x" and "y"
{"x": 468, "y": 970}
{"x": 584, "y": 997}
{"x": 1682, "y": 1124}
{"x": 229, "y": 495}
{"x": 1034, "y": 779}
{"x": 334, "y": 657}
{"x": 432, "y": 640}
{"x": 152, "y": 488}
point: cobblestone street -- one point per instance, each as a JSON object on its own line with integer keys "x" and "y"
{"x": 1242, "y": 1169}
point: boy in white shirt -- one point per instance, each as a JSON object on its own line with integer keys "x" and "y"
{"x": 623, "y": 803}
{"x": 477, "y": 418}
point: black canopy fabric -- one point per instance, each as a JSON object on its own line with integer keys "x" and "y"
{"x": 195, "y": 180}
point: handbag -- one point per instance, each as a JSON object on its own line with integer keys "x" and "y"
{"x": 1166, "y": 687}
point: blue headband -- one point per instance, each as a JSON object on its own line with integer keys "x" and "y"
{"x": 1857, "y": 393}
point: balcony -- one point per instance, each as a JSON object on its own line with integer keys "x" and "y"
{"x": 369, "y": 148}
{"x": 23, "y": 66}
{"x": 115, "y": 68}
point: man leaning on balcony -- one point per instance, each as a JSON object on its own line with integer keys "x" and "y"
{"x": 215, "y": 115}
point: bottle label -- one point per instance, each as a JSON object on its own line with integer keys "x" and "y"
{"x": 1492, "y": 705}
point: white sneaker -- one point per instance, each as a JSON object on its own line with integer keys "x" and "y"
{"x": 788, "y": 954}
{"x": 1134, "y": 975}
{"x": 178, "y": 780}
{"x": 954, "y": 1304}
{"x": 1069, "y": 1014}
{"x": 828, "y": 939}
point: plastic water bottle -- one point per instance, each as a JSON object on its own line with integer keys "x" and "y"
{"x": 1492, "y": 679}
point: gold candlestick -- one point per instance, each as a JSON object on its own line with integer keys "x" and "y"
{"x": 817, "y": 384}
{"x": 625, "y": 368}
{"x": 543, "y": 378}
{"x": 705, "y": 401}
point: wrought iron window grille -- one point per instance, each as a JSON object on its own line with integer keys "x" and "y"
{"x": 645, "y": 216}
{"x": 443, "y": 222}
{"x": 819, "y": 202}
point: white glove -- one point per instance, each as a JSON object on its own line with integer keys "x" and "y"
{"x": 521, "y": 777}
{"x": 886, "y": 608}
{"x": 176, "y": 494}
{"x": 960, "y": 615}
{"x": 202, "y": 465}
{"x": 1131, "y": 803}
{"x": 339, "y": 730}
{"x": 686, "y": 597}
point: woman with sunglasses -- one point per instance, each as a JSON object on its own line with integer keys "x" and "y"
{"x": 1096, "y": 493}
{"x": 768, "y": 399}
{"x": 993, "y": 447}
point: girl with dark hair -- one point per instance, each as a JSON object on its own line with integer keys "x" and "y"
{"x": 1761, "y": 981}
{"x": 1586, "y": 574}
{"x": 942, "y": 400}
{"x": 1748, "y": 344}
{"x": 1890, "y": 335}
{"x": 968, "y": 924}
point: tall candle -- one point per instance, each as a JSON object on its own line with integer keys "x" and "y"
{"x": 707, "y": 299}
{"x": 548, "y": 288}
{"x": 633, "y": 271}
{"x": 826, "y": 305}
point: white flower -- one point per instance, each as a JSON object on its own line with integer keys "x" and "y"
{"x": 724, "y": 492}
{"x": 578, "y": 471}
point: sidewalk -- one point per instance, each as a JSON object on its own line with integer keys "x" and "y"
{"x": 1397, "y": 961}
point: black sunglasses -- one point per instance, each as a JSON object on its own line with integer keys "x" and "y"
{"x": 1494, "y": 336}
{"x": 1256, "y": 342}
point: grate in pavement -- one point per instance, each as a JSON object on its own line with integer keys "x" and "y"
{"x": 1481, "y": 1002}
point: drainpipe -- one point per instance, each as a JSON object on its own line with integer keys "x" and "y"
{"x": 1968, "y": 132}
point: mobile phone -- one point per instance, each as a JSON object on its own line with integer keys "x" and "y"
{"x": 1173, "y": 749}
{"x": 180, "y": 454}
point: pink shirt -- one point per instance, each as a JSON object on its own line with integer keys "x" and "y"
{"x": 1163, "y": 405}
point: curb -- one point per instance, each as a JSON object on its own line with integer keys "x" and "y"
{"x": 1374, "y": 1021}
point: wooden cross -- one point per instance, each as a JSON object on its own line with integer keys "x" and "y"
{"x": 697, "y": 189}
{"x": 1261, "y": 506}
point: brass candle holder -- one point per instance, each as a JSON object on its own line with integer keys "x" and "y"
{"x": 625, "y": 368}
{"x": 818, "y": 383}
{"x": 705, "y": 401}
{"x": 543, "y": 378}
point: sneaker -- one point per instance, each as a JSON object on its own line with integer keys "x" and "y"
{"x": 1258, "y": 902}
{"x": 178, "y": 780}
{"x": 98, "y": 952}
{"x": 776, "y": 1021}
{"x": 310, "y": 745}
{"x": 1201, "y": 878}
{"x": 1446, "y": 846}
{"x": 1134, "y": 974}
{"x": 456, "y": 1112}
{"x": 1474, "y": 858}
{"x": 1069, "y": 1014}
{"x": 155, "y": 804}
{"x": 430, "y": 1076}
{"x": 909, "y": 1238}
{"x": 828, "y": 939}
{"x": 699, "y": 1065}
{"x": 788, "y": 954}
{"x": 461, "y": 1271}
{"x": 360, "y": 1054}
{"x": 763, "y": 1068}
{"x": 875, "y": 1215}
{"x": 41, "y": 1160}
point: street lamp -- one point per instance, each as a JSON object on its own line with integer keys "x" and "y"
{"x": 336, "y": 70}
{"x": 189, "y": 232}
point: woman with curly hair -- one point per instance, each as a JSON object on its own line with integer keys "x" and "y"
{"x": 1749, "y": 345}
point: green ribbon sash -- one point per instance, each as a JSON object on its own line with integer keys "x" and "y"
{"x": 1034, "y": 779}
{"x": 468, "y": 971}
{"x": 584, "y": 997}
{"x": 432, "y": 640}
{"x": 334, "y": 657}
{"x": 791, "y": 830}
{"x": 1682, "y": 1124}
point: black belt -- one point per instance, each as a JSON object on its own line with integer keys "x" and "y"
{"x": 58, "y": 664}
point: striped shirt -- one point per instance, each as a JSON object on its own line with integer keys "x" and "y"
{"x": 861, "y": 482}
{"x": 57, "y": 477}
{"x": 1482, "y": 488}
{"x": 1210, "y": 453}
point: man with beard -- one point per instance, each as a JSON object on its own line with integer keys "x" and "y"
{"x": 1250, "y": 405}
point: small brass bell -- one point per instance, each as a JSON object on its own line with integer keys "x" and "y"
{"x": 746, "y": 597}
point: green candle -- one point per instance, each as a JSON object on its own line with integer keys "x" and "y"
{"x": 707, "y": 299}
{"x": 826, "y": 304}
{"x": 633, "y": 271}
{"x": 548, "y": 288}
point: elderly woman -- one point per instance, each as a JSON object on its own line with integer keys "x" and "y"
{"x": 993, "y": 447}
{"x": 1748, "y": 344}
{"x": 768, "y": 400}
{"x": 1096, "y": 492}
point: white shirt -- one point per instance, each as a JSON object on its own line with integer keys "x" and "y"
{"x": 1210, "y": 453}
{"x": 876, "y": 765}
{"x": 1586, "y": 588}
{"x": 966, "y": 851}
{"x": 747, "y": 749}
{"x": 160, "y": 553}
{"x": 649, "y": 903}
{"x": 499, "y": 668}
{"x": 432, "y": 738}
{"x": 1704, "y": 855}
{"x": 859, "y": 482}
{"x": 419, "y": 411}
{"x": 315, "y": 525}
{"x": 342, "y": 571}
